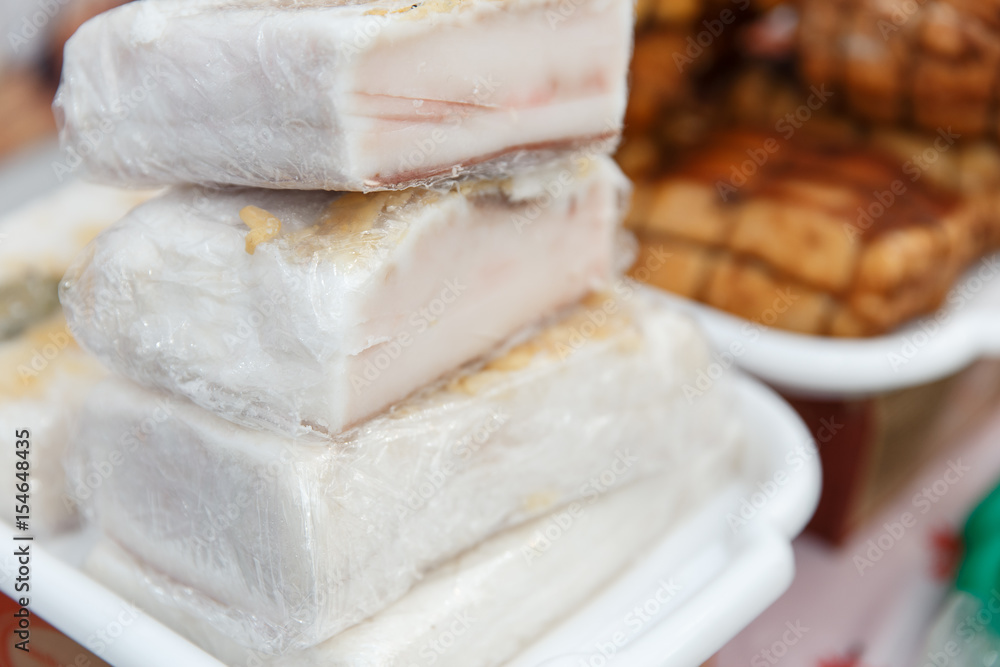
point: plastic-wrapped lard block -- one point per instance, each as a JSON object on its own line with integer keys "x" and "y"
{"x": 281, "y": 544}
{"x": 358, "y": 96}
{"x": 307, "y": 312}
{"x": 481, "y": 607}
{"x": 44, "y": 379}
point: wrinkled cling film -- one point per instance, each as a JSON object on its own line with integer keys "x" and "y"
{"x": 305, "y": 313}
{"x": 341, "y": 96}
{"x": 281, "y": 544}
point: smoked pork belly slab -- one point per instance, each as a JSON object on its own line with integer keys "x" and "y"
{"x": 353, "y": 96}
{"x": 482, "y": 607}
{"x": 281, "y": 544}
{"x": 349, "y": 302}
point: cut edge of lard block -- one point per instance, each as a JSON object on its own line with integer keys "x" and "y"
{"x": 282, "y": 544}
{"x": 306, "y": 312}
{"x": 359, "y": 96}
{"x": 474, "y": 605}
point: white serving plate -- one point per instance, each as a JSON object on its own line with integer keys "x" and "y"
{"x": 728, "y": 577}
{"x": 967, "y": 328}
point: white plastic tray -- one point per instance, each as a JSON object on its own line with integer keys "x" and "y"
{"x": 726, "y": 576}
{"x": 967, "y": 328}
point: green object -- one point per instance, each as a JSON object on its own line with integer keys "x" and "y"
{"x": 966, "y": 632}
{"x": 26, "y": 302}
{"x": 979, "y": 574}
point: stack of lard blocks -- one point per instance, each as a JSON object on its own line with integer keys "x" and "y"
{"x": 373, "y": 344}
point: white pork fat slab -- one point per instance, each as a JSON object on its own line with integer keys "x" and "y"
{"x": 359, "y": 300}
{"x": 354, "y": 96}
{"x": 282, "y": 544}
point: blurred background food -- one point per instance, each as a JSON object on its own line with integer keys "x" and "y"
{"x": 841, "y": 153}
{"x": 750, "y": 123}
{"x": 921, "y": 64}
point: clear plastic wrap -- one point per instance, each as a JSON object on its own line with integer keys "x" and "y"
{"x": 482, "y": 607}
{"x": 281, "y": 544}
{"x": 44, "y": 379}
{"x": 350, "y": 303}
{"x": 329, "y": 95}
